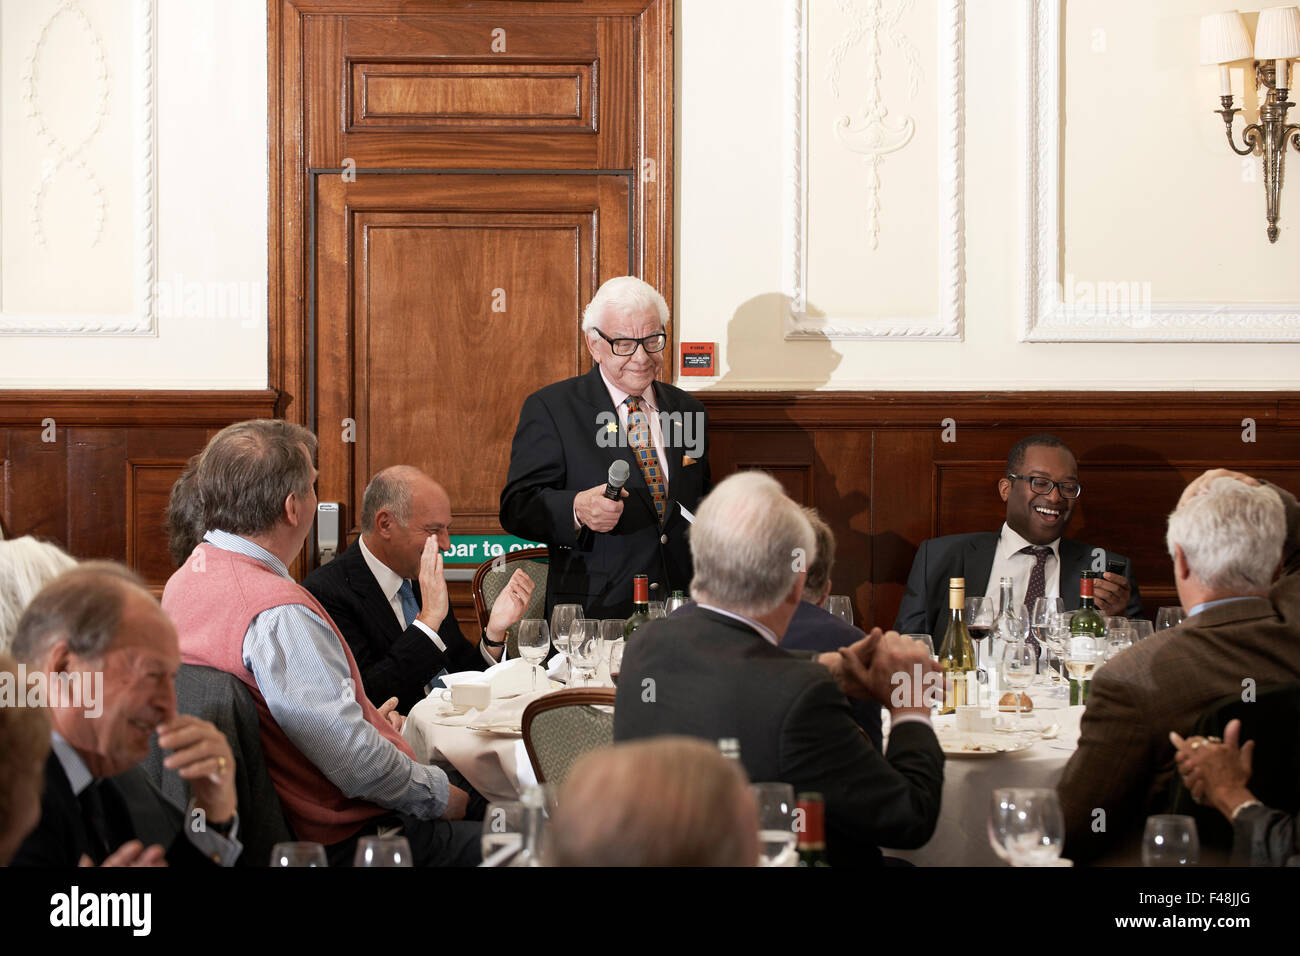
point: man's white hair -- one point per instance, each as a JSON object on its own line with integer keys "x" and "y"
{"x": 26, "y": 565}
{"x": 749, "y": 543}
{"x": 1231, "y": 536}
{"x": 623, "y": 294}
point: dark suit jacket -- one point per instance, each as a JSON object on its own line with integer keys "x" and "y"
{"x": 562, "y": 446}
{"x": 817, "y": 630}
{"x": 1165, "y": 683}
{"x": 925, "y": 604}
{"x": 393, "y": 662}
{"x": 716, "y": 677}
{"x": 134, "y": 810}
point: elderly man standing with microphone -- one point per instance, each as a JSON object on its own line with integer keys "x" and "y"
{"x": 577, "y": 439}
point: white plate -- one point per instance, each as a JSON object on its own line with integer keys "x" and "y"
{"x": 956, "y": 744}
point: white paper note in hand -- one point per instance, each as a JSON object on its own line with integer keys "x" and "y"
{"x": 690, "y": 518}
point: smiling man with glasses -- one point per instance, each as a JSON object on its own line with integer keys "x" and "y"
{"x": 569, "y": 435}
{"x": 1041, "y": 488}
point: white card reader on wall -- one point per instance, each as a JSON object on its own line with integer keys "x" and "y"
{"x": 328, "y": 514}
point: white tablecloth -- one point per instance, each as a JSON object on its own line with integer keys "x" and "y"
{"x": 961, "y": 838}
{"x": 496, "y": 765}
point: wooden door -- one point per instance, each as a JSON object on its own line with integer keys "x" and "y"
{"x": 451, "y": 182}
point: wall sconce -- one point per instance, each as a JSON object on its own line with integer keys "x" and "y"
{"x": 1224, "y": 40}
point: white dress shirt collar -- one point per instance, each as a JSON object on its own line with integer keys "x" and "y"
{"x": 765, "y": 632}
{"x": 389, "y": 581}
{"x": 74, "y": 768}
{"x": 1010, "y": 542}
{"x": 618, "y": 396}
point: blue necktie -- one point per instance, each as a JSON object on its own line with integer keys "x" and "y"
{"x": 410, "y": 607}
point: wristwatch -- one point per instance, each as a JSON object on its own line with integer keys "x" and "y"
{"x": 491, "y": 643}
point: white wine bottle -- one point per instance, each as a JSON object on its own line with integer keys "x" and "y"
{"x": 957, "y": 654}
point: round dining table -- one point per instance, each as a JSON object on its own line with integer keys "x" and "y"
{"x": 961, "y": 836}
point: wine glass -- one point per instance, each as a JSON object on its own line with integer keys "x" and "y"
{"x": 562, "y": 618}
{"x": 1041, "y": 617}
{"x": 1033, "y": 831}
{"x": 616, "y": 650}
{"x": 1142, "y": 629}
{"x": 1169, "y": 617}
{"x": 979, "y": 620}
{"x": 776, "y": 836}
{"x": 1118, "y": 640}
{"x": 503, "y": 826}
{"x": 584, "y": 649}
{"x": 534, "y": 643}
{"x": 1170, "y": 839}
{"x": 382, "y": 851}
{"x": 1115, "y": 622}
{"x": 841, "y": 606}
{"x": 657, "y": 610}
{"x": 924, "y": 640}
{"x": 1058, "y": 634}
{"x": 298, "y": 854}
{"x": 1019, "y": 663}
{"x": 611, "y": 633}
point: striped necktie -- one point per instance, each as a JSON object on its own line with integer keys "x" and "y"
{"x": 638, "y": 436}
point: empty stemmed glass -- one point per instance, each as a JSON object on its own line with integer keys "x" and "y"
{"x": 534, "y": 642}
{"x": 298, "y": 854}
{"x": 1019, "y": 664}
{"x": 1041, "y": 617}
{"x": 1170, "y": 840}
{"x": 1058, "y": 634}
{"x": 1169, "y": 617}
{"x": 924, "y": 640}
{"x": 382, "y": 851}
{"x": 1118, "y": 640}
{"x": 562, "y": 618}
{"x": 584, "y": 650}
{"x": 1026, "y": 827}
{"x": 1142, "y": 629}
{"x": 776, "y": 834}
{"x": 841, "y": 607}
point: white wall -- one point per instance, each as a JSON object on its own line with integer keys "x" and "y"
{"x": 1151, "y": 194}
{"x": 211, "y": 241}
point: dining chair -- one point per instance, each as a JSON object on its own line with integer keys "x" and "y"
{"x": 559, "y": 728}
{"x": 490, "y": 578}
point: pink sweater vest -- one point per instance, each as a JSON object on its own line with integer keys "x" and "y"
{"x": 213, "y": 598}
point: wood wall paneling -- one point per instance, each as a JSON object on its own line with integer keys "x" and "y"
{"x": 100, "y": 488}
{"x": 886, "y": 480}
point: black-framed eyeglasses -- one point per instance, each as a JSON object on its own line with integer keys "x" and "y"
{"x": 622, "y": 347}
{"x": 1043, "y": 486}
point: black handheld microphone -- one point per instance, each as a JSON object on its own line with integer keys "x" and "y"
{"x": 618, "y": 474}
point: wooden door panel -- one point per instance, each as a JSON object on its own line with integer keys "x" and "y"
{"x": 443, "y": 301}
{"x": 431, "y": 92}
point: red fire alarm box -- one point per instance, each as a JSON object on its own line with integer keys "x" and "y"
{"x": 697, "y": 358}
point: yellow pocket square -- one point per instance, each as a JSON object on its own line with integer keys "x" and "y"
{"x": 688, "y": 460}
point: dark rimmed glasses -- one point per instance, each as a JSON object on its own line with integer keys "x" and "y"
{"x": 1040, "y": 485}
{"x": 625, "y": 347}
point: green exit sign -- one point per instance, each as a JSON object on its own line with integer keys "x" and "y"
{"x": 474, "y": 549}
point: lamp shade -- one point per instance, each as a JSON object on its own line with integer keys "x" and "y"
{"x": 1224, "y": 38}
{"x": 1278, "y": 35}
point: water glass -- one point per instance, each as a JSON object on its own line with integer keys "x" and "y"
{"x": 657, "y": 610}
{"x": 776, "y": 836}
{"x": 298, "y": 854}
{"x": 1026, "y": 827}
{"x": 1019, "y": 664}
{"x": 924, "y": 640}
{"x": 1170, "y": 839}
{"x": 1168, "y": 617}
{"x": 382, "y": 851}
{"x": 534, "y": 643}
{"x": 584, "y": 649}
{"x": 841, "y": 606}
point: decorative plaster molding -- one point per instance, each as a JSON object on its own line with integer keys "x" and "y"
{"x": 950, "y": 110}
{"x": 142, "y": 320}
{"x": 1103, "y": 312}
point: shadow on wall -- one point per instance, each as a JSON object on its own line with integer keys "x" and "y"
{"x": 759, "y": 355}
